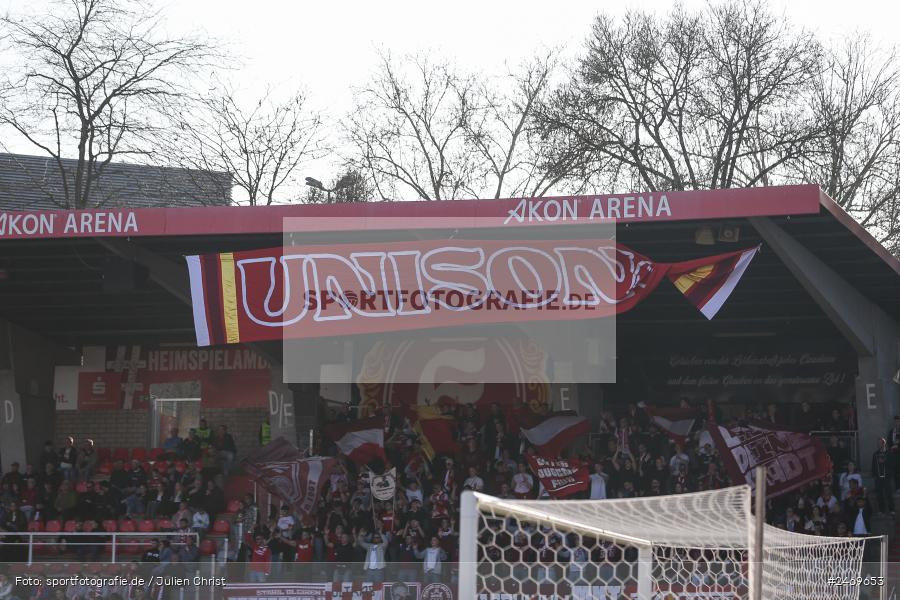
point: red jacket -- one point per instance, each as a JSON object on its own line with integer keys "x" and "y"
{"x": 261, "y": 559}
{"x": 304, "y": 551}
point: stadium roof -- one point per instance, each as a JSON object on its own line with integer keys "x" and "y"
{"x": 35, "y": 183}
{"x": 53, "y": 264}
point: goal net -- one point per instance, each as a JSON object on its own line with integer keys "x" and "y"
{"x": 696, "y": 545}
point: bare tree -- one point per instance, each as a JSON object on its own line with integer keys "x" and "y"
{"x": 427, "y": 128}
{"x": 856, "y": 161}
{"x": 261, "y": 144}
{"x": 409, "y": 130}
{"x": 513, "y": 159}
{"x": 689, "y": 101}
{"x": 93, "y": 76}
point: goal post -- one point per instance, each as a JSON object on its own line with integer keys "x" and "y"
{"x": 698, "y": 545}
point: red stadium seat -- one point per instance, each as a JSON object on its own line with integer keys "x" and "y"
{"x": 146, "y": 526}
{"x": 127, "y": 525}
{"x": 155, "y": 453}
{"x": 221, "y": 526}
{"x": 146, "y": 466}
{"x": 69, "y": 526}
{"x": 233, "y": 506}
{"x": 121, "y": 454}
{"x": 89, "y": 526}
{"x": 53, "y": 526}
{"x": 110, "y": 525}
{"x": 81, "y": 487}
{"x": 208, "y": 547}
{"x": 161, "y": 466}
{"x": 35, "y": 526}
{"x": 105, "y": 468}
{"x": 164, "y": 525}
{"x": 180, "y": 466}
{"x": 104, "y": 454}
{"x": 139, "y": 454}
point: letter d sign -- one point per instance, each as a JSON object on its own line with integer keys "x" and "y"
{"x": 9, "y": 412}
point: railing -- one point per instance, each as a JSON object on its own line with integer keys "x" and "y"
{"x": 850, "y": 438}
{"x": 102, "y": 538}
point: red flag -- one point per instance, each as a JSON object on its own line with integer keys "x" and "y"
{"x": 551, "y": 433}
{"x": 361, "y": 441}
{"x": 435, "y": 430}
{"x": 791, "y": 459}
{"x": 707, "y": 282}
{"x": 677, "y": 423}
{"x": 560, "y": 477}
{"x": 296, "y": 481}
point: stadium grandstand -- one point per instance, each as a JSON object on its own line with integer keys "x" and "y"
{"x": 139, "y": 401}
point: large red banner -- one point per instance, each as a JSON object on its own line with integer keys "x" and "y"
{"x": 317, "y": 291}
{"x": 791, "y": 459}
{"x": 560, "y": 477}
{"x": 281, "y": 469}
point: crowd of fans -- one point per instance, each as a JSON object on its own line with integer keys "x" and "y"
{"x": 417, "y": 531}
{"x": 178, "y": 492}
{"x": 629, "y": 457}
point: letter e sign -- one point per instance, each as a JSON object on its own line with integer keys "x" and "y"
{"x": 870, "y": 396}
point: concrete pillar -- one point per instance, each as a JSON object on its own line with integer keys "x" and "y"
{"x": 873, "y": 333}
{"x": 27, "y": 408}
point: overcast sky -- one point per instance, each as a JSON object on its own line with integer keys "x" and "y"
{"x": 329, "y": 47}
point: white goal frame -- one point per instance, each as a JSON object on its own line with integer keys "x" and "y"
{"x": 777, "y": 543}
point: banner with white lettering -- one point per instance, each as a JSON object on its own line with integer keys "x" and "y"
{"x": 319, "y": 291}
{"x": 232, "y": 377}
{"x": 280, "y": 469}
{"x": 791, "y": 459}
{"x": 383, "y": 486}
{"x": 560, "y": 477}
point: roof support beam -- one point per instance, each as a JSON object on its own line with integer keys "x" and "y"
{"x": 873, "y": 333}
{"x": 171, "y": 276}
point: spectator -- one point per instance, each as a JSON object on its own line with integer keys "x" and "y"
{"x": 827, "y": 502}
{"x": 523, "y": 482}
{"x": 189, "y": 552}
{"x": 473, "y": 481}
{"x": 172, "y": 444}
{"x": 679, "y": 460}
{"x": 68, "y": 459}
{"x": 13, "y": 477}
{"x": 28, "y": 498}
{"x": 152, "y": 553}
{"x": 849, "y": 475}
{"x": 213, "y": 498}
{"x": 136, "y": 502}
{"x": 48, "y": 456}
{"x": 344, "y": 557}
{"x": 225, "y": 448}
{"x": 87, "y": 461}
{"x": 373, "y": 565}
{"x": 859, "y": 519}
{"x": 304, "y": 548}
{"x": 204, "y": 435}
{"x": 183, "y": 513}
{"x": 432, "y": 559}
{"x": 66, "y": 501}
{"x": 200, "y": 522}
{"x": 883, "y": 473}
{"x": 598, "y": 482}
